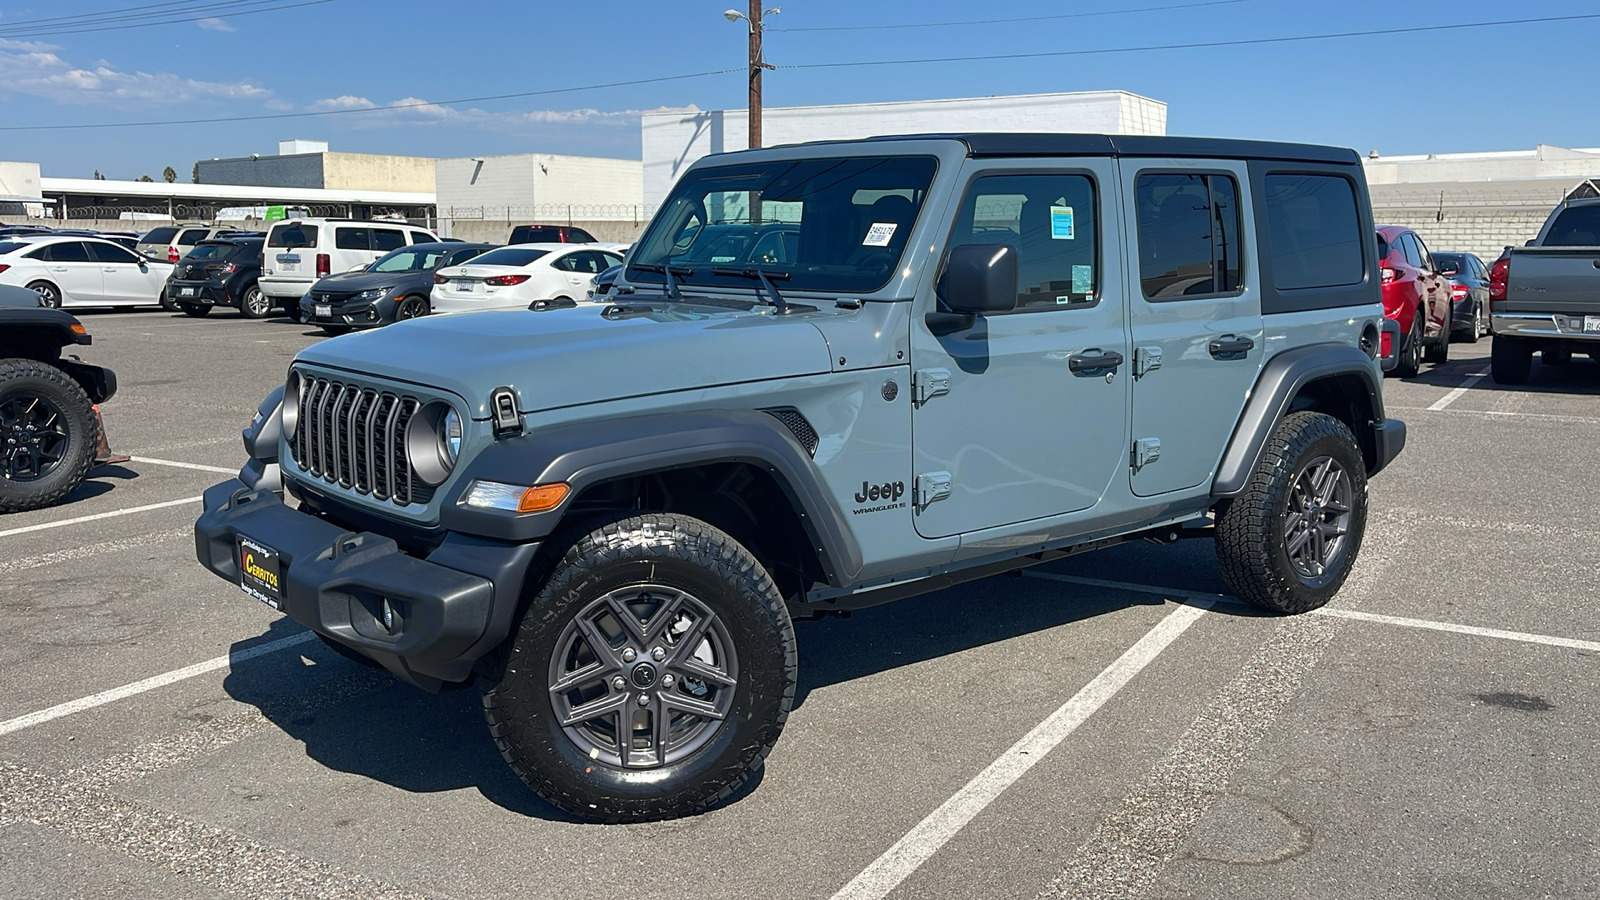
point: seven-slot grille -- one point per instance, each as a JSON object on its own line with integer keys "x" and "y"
{"x": 355, "y": 437}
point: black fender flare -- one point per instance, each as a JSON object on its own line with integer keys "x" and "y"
{"x": 1281, "y": 380}
{"x": 584, "y": 454}
{"x": 24, "y": 329}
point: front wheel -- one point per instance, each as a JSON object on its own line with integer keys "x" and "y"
{"x": 1288, "y": 542}
{"x": 47, "y": 435}
{"x": 651, "y": 674}
{"x": 253, "y": 304}
{"x": 411, "y": 308}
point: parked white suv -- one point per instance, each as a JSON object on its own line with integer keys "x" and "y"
{"x": 300, "y": 251}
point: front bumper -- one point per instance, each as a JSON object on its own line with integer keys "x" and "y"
{"x": 448, "y": 609}
{"x": 1542, "y": 325}
{"x": 363, "y": 314}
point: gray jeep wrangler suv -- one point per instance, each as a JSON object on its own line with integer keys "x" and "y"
{"x": 910, "y": 362}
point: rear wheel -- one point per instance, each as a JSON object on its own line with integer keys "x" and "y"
{"x": 253, "y": 304}
{"x": 651, "y": 674}
{"x": 1410, "y": 361}
{"x": 198, "y": 310}
{"x": 1288, "y": 543}
{"x": 49, "y": 294}
{"x": 1510, "y": 361}
{"x": 47, "y": 435}
{"x": 1480, "y": 325}
{"x": 1439, "y": 351}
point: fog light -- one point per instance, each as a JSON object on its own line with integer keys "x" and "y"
{"x": 388, "y": 616}
{"x": 518, "y": 498}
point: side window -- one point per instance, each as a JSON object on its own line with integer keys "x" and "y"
{"x": 1315, "y": 231}
{"x": 607, "y": 260}
{"x": 579, "y": 236}
{"x": 1052, "y": 220}
{"x": 1411, "y": 250}
{"x": 1423, "y": 254}
{"x": 1188, "y": 235}
{"x": 193, "y": 236}
{"x": 111, "y": 253}
{"x": 67, "y": 251}
{"x": 422, "y": 237}
{"x": 568, "y": 263}
{"x": 386, "y": 239}
{"x": 352, "y": 239}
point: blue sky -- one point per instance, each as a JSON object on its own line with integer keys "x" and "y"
{"x": 1488, "y": 89}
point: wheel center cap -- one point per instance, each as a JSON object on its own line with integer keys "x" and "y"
{"x": 644, "y": 675}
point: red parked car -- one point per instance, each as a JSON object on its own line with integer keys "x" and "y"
{"x": 1416, "y": 296}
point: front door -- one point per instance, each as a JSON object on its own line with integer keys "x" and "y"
{"x": 126, "y": 277}
{"x": 1198, "y": 341}
{"x": 74, "y": 271}
{"x": 1011, "y": 420}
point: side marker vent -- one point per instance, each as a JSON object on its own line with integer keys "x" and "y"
{"x": 797, "y": 425}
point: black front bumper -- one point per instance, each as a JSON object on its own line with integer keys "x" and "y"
{"x": 449, "y": 609}
{"x": 350, "y": 314}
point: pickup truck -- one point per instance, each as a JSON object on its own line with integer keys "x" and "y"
{"x": 1546, "y": 296}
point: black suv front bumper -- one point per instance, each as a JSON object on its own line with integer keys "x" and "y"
{"x": 446, "y": 610}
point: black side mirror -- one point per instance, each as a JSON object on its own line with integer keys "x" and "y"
{"x": 980, "y": 278}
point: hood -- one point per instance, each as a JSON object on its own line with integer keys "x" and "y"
{"x": 352, "y": 282}
{"x": 572, "y": 356}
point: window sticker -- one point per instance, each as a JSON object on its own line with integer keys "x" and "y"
{"x": 879, "y": 234}
{"x": 1083, "y": 279}
{"x": 1063, "y": 299}
{"x": 1061, "y": 223}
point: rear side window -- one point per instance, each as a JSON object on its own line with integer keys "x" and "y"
{"x": 158, "y": 236}
{"x": 352, "y": 239}
{"x": 66, "y": 251}
{"x": 1411, "y": 250}
{"x": 10, "y": 247}
{"x": 1383, "y": 248}
{"x": 296, "y": 235}
{"x": 1316, "y": 231}
{"x": 193, "y": 236}
{"x": 386, "y": 239}
{"x": 1188, "y": 235}
{"x": 1576, "y": 226}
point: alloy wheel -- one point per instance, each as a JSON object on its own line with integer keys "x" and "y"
{"x": 413, "y": 308}
{"x": 643, "y": 677}
{"x": 35, "y": 436}
{"x": 1317, "y": 519}
{"x": 256, "y": 304}
{"x": 48, "y": 296}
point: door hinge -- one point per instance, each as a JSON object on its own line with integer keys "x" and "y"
{"x": 929, "y": 383}
{"x": 931, "y": 486}
{"x": 1145, "y": 452}
{"x": 1146, "y": 360}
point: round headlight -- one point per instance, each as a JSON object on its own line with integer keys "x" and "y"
{"x": 429, "y": 447}
{"x": 291, "y": 405}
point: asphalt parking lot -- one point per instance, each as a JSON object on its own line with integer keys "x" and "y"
{"x": 1110, "y": 726}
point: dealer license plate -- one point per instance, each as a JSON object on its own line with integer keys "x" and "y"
{"x": 1591, "y": 324}
{"x": 185, "y": 292}
{"x": 261, "y": 572}
{"x": 323, "y": 311}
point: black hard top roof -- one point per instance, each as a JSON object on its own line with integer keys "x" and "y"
{"x": 987, "y": 144}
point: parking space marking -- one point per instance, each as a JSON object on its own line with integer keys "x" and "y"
{"x": 183, "y": 465}
{"x": 1399, "y": 621}
{"x": 45, "y": 526}
{"x": 115, "y": 546}
{"x": 1503, "y": 413}
{"x": 921, "y": 842}
{"x": 1458, "y": 393}
{"x": 151, "y": 683}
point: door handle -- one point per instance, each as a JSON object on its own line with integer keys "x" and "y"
{"x": 1231, "y": 347}
{"x": 1093, "y": 361}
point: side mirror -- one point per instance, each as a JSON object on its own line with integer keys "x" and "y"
{"x": 980, "y": 278}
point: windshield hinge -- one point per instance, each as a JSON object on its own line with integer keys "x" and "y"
{"x": 503, "y": 410}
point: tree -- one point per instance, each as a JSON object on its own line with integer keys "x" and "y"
{"x": 168, "y": 175}
{"x": 146, "y": 178}
{"x": 194, "y": 174}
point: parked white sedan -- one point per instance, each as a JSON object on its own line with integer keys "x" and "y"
{"x": 81, "y": 271}
{"x": 512, "y": 277}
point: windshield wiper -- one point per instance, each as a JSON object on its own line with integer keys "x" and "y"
{"x": 766, "y": 278}
{"x": 667, "y": 271}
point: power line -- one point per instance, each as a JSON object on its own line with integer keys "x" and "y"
{"x": 1087, "y": 15}
{"x": 107, "y": 12}
{"x": 371, "y": 109}
{"x": 218, "y": 14}
{"x": 1192, "y": 46}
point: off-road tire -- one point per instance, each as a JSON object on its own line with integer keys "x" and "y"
{"x": 49, "y": 294}
{"x": 596, "y": 558}
{"x": 1510, "y": 361}
{"x": 197, "y": 310}
{"x": 77, "y": 412}
{"x": 1409, "y": 361}
{"x": 1250, "y": 541}
{"x": 1439, "y": 351}
{"x": 253, "y": 304}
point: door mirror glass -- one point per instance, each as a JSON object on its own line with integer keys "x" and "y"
{"x": 980, "y": 278}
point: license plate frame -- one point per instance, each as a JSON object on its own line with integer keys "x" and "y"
{"x": 1591, "y": 324}
{"x": 322, "y": 310}
{"x": 186, "y": 292}
{"x": 463, "y": 287}
{"x": 261, "y": 571}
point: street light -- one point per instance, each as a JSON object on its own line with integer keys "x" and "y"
{"x": 756, "y": 63}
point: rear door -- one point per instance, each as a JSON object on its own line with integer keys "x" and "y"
{"x": 1196, "y": 315}
{"x": 290, "y": 255}
{"x": 74, "y": 271}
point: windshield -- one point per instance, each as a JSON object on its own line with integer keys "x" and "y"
{"x": 210, "y": 251}
{"x": 836, "y": 225}
{"x": 411, "y": 259}
{"x": 158, "y": 235}
{"x": 509, "y": 256}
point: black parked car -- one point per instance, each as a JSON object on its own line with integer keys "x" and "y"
{"x": 1469, "y": 294}
{"x": 220, "y": 272}
{"x": 600, "y": 285}
{"x": 395, "y": 287}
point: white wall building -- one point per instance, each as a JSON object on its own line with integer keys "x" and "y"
{"x": 527, "y": 186}
{"x": 672, "y": 140}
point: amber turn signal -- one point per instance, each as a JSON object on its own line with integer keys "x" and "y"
{"x": 542, "y": 497}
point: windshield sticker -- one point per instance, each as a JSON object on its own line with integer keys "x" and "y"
{"x": 1082, "y": 279}
{"x": 879, "y": 234}
{"x": 723, "y": 259}
{"x": 1061, "y": 223}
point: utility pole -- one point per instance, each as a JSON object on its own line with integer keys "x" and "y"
{"x": 756, "y": 65}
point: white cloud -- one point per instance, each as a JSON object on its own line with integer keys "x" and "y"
{"x": 417, "y": 111}
{"x": 215, "y": 24}
{"x": 34, "y": 69}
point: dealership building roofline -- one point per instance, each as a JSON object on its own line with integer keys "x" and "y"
{"x": 53, "y": 188}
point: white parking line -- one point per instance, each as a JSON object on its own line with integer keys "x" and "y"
{"x": 1504, "y": 414}
{"x": 921, "y": 842}
{"x": 1400, "y": 621}
{"x": 150, "y": 684}
{"x": 1458, "y": 393}
{"x": 44, "y": 526}
{"x": 183, "y": 465}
